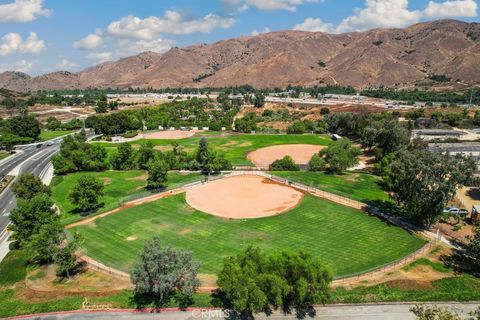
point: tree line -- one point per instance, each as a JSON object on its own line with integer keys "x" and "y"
{"x": 190, "y": 113}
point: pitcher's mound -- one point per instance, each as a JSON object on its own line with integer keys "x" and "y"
{"x": 243, "y": 197}
{"x": 300, "y": 153}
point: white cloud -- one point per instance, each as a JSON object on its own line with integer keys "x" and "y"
{"x": 126, "y": 47}
{"x": 314, "y": 25}
{"x": 100, "y": 56}
{"x": 391, "y": 14}
{"x": 172, "y": 22}
{"x": 380, "y": 13}
{"x": 269, "y": 5}
{"x": 22, "y": 11}
{"x": 90, "y": 42}
{"x": 255, "y": 32}
{"x": 66, "y": 64}
{"x": 20, "y": 66}
{"x": 132, "y": 35}
{"x": 13, "y": 43}
{"x": 452, "y": 8}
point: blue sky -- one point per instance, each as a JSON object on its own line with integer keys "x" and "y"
{"x": 38, "y": 36}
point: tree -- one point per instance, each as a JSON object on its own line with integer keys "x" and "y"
{"x": 145, "y": 154}
{"x": 202, "y": 153}
{"x": 423, "y": 312}
{"x": 424, "y": 182}
{"x": 209, "y": 160}
{"x": 369, "y": 137}
{"x": 163, "y": 271}
{"x": 102, "y": 105}
{"x": 317, "y": 163}
{"x": 30, "y": 215}
{"x": 340, "y": 155}
{"x": 53, "y": 123}
{"x": 77, "y": 155}
{"x": 25, "y": 126}
{"x": 392, "y": 137}
{"x": 472, "y": 249}
{"x": 476, "y": 118}
{"x": 43, "y": 245}
{"x": 86, "y": 192}
{"x": 253, "y": 281}
{"x": 298, "y": 127}
{"x": 29, "y": 186}
{"x": 284, "y": 164}
{"x": 325, "y": 111}
{"x": 65, "y": 257}
{"x": 259, "y": 100}
{"x": 157, "y": 173}
{"x": 124, "y": 158}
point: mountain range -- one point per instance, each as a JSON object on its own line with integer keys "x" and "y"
{"x": 444, "y": 50}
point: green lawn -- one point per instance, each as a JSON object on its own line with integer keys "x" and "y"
{"x": 348, "y": 241}
{"x": 237, "y": 146}
{"x": 4, "y": 155}
{"x": 47, "y": 134}
{"x": 356, "y": 186}
{"x": 120, "y": 186}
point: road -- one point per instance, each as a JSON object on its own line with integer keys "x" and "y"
{"x": 332, "y": 312}
{"x": 34, "y": 159}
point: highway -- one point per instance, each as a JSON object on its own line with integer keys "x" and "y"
{"x": 34, "y": 159}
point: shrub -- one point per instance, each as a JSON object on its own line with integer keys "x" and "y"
{"x": 317, "y": 163}
{"x": 284, "y": 164}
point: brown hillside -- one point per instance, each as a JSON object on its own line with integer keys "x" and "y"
{"x": 379, "y": 57}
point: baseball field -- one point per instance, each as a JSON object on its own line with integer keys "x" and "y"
{"x": 348, "y": 240}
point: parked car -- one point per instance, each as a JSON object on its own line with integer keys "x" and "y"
{"x": 456, "y": 211}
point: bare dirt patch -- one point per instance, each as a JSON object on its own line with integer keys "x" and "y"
{"x": 106, "y": 181}
{"x": 132, "y": 238}
{"x": 44, "y": 279}
{"x": 142, "y": 177}
{"x": 171, "y": 134}
{"x": 185, "y": 231}
{"x": 243, "y": 197}
{"x": 300, "y": 153}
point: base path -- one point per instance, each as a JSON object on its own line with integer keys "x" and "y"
{"x": 300, "y": 153}
{"x": 243, "y": 197}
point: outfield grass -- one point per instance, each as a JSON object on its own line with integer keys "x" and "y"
{"x": 120, "y": 186}
{"x": 347, "y": 240}
{"x": 356, "y": 186}
{"x": 47, "y": 134}
{"x": 237, "y": 146}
